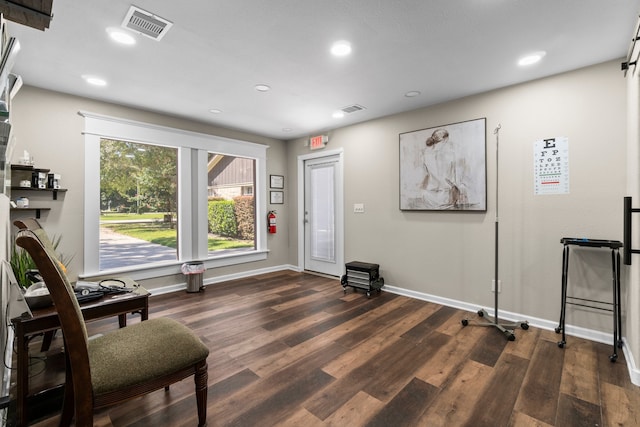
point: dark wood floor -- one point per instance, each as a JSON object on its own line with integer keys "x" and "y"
{"x": 291, "y": 349}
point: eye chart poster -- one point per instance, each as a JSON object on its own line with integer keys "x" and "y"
{"x": 551, "y": 166}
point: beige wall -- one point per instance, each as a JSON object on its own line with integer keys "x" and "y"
{"x": 47, "y": 124}
{"x": 451, "y": 255}
{"x": 446, "y": 254}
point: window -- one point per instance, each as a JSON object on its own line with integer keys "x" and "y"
{"x": 171, "y": 182}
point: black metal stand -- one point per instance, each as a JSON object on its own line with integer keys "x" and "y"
{"x": 613, "y": 307}
{"x": 506, "y": 328}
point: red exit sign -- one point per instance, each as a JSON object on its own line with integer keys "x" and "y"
{"x": 319, "y": 141}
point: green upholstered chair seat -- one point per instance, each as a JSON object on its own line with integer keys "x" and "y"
{"x": 141, "y": 352}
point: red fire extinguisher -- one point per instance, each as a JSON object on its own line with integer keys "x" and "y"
{"x": 271, "y": 217}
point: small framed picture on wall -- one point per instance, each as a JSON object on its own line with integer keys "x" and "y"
{"x": 277, "y": 181}
{"x": 277, "y": 197}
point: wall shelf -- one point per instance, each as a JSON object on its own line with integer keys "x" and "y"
{"x": 55, "y": 191}
{"x": 28, "y": 168}
{"x": 37, "y": 210}
{"x": 27, "y": 173}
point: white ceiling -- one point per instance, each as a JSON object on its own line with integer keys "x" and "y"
{"x": 217, "y": 51}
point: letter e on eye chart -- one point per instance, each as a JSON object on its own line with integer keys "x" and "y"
{"x": 551, "y": 166}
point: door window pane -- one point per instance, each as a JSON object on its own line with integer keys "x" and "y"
{"x": 322, "y": 207}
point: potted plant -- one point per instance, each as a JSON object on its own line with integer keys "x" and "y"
{"x": 21, "y": 262}
{"x": 37, "y": 295}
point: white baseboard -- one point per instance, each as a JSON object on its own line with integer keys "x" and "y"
{"x": 225, "y": 278}
{"x": 576, "y": 331}
{"x": 634, "y": 372}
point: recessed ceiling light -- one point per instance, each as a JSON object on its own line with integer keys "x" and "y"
{"x": 215, "y": 111}
{"x": 121, "y": 36}
{"x": 287, "y": 129}
{"x": 96, "y": 81}
{"x": 412, "y": 93}
{"x": 338, "y": 114}
{"x": 531, "y": 59}
{"x": 341, "y": 48}
{"x": 262, "y": 88}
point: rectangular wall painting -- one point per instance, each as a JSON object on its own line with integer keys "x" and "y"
{"x": 444, "y": 168}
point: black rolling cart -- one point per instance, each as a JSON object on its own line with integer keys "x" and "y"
{"x": 362, "y": 275}
{"x": 614, "y": 307}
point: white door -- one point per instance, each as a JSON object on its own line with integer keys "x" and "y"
{"x": 323, "y": 215}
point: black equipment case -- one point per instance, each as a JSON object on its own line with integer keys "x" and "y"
{"x": 362, "y": 275}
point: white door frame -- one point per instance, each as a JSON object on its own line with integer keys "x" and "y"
{"x": 339, "y": 205}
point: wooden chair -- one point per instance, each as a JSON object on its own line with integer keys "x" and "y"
{"x": 122, "y": 364}
{"x": 27, "y": 224}
{"x": 34, "y": 225}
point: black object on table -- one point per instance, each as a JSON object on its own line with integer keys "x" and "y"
{"x": 614, "y": 246}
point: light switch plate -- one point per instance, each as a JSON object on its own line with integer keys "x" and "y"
{"x": 358, "y": 208}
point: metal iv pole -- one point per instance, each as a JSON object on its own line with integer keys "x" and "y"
{"x": 506, "y": 328}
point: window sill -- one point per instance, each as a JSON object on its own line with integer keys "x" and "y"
{"x": 150, "y": 271}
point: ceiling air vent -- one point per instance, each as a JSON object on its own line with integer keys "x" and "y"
{"x": 146, "y": 23}
{"x": 352, "y": 108}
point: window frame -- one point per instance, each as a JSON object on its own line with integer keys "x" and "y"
{"x": 192, "y": 148}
